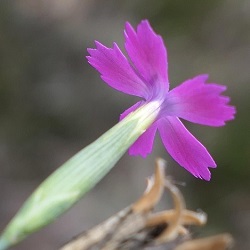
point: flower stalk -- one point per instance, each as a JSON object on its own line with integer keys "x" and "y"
{"x": 63, "y": 188}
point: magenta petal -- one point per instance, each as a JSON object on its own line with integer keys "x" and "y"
{"x": 147, "y": 52}
{"x": 144, "y": 144}
{"x": 116, "y": 70}
{"x": 185, "y": 148}
{"x": 199, "y": 102}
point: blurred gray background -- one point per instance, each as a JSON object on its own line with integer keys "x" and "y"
{"x": 53, "y": 104}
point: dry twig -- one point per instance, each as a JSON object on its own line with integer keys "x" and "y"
{"x": 137, "y": 226}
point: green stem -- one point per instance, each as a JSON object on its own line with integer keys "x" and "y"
{"x": 78, "y": 175}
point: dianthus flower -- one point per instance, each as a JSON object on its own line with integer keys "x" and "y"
{"x": 144, "y": 74}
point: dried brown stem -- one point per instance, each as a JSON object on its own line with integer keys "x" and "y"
{"x": 137, "y": 226}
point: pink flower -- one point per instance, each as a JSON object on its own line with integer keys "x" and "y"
{"x": 144, "y": 74}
